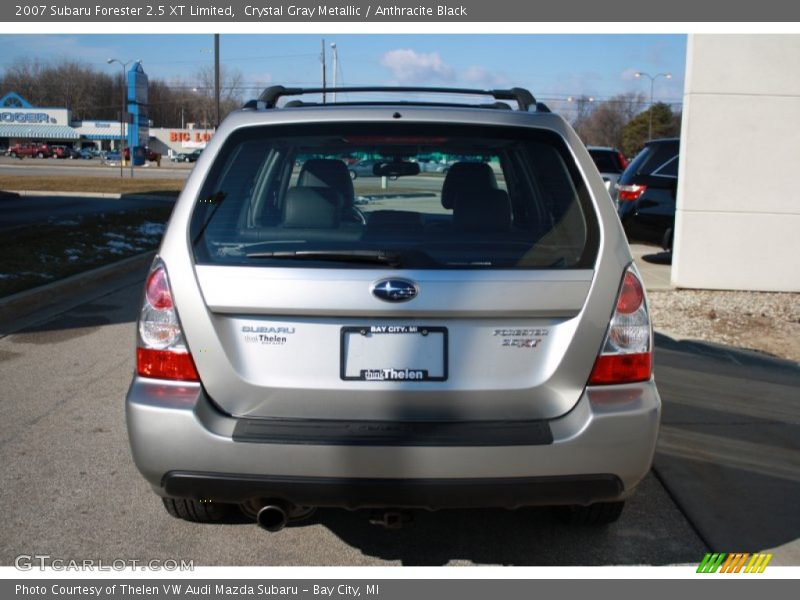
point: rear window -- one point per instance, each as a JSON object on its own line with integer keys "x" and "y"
{"x": 652, "y": 157}
{"x": 400, "y": 195}
{"x": 607, "y": 161}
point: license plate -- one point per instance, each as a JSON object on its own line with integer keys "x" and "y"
{"x": 394, "y": 353}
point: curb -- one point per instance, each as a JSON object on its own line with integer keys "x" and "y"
{"x": 22, "y": 304}
{"x": 106, "y": 195}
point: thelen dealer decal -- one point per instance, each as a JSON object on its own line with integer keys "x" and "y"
{"x": 273, "y": 336}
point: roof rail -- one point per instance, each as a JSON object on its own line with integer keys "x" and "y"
{"x": 270, "y": 96}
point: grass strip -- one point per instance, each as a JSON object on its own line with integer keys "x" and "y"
{"x": 43, "y": 253}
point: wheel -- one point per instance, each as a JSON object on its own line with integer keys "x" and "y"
{"x": 186, "y": 159}
{"x": 40, "y": 155}
{"x": 600, "y": 513}
{"x": 198, "y": 511}
{"x": 353, "y": 175}
{"x": 13, "y": 155}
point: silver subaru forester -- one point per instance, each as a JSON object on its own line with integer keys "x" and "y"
{"x": 315, "y": 333}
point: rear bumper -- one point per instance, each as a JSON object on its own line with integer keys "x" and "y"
{"x": 416, "y": 493}
{"x": 598, "y": 451}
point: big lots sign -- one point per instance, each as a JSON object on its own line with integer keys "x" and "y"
{"x": 190, "y": 136}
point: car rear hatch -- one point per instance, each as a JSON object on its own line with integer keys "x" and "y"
{"x": 407, "y": 296}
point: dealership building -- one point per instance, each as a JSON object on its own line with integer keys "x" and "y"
{"x": 22, "y": 122}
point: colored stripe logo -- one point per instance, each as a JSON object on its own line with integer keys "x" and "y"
{"x": 737, "y": 562}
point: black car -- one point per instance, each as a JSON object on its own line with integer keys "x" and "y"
{"x": 646, "y": 193}
{"x": 187, "y": 156}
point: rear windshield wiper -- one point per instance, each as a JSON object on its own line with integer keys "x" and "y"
{"x": 378, "y": 257}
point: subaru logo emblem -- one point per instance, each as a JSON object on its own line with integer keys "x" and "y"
{"x": 394, "y": 290}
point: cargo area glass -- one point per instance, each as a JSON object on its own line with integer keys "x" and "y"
{"x": 397, "y": 195}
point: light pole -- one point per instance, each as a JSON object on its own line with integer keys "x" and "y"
{"x": 216, "y": 82}
{"x": 652, "y": 78}
{"x": 335, "y": 65}
{"x": 204, "y": 103}
{"x": 582, "y": 106}
{"x": 124, "y": 66}
{"x": 322, "y": 60}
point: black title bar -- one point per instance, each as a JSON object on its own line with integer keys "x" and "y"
{"x": 465, "y": 11}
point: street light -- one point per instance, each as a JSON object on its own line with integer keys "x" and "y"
{"x": 335, "y": 65}
{"x": 203, "y": 102}
{"x": 652, "y": 78}
{"x": 124, "y": 66}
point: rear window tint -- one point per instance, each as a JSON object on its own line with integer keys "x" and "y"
{"x": 669, "y": 169}
{"x": 606, "y": 161}
{"x": 651, "y": 157}
{"x": 431, "y": 197}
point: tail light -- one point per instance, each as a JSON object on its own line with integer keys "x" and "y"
{"x": 627, "y": 353}
{"x": 622, "y": 160}
{"x": 161, "y": 352}
{"x": 629, "y": 193}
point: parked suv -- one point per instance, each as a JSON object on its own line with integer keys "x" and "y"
{"x": 476, "y": 340}
{"x": 30, "y": 149}
{"x": 610, "y": 162}
{"x": 646, "y": 193}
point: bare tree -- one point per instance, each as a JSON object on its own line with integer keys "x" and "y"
{"x": 230, "y": 91}
{"x": 91, "y": 93}
{"x": 604, "y": 126}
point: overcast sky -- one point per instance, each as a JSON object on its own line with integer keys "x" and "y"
{"x": 551, "y": 66}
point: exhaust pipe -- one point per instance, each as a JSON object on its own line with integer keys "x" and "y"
{"x": 272, "y": 516}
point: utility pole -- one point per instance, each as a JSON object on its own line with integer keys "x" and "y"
{"x": 216, "y": 79}
{"x": 335, "y": 66}
{"x": 322, "y": 58}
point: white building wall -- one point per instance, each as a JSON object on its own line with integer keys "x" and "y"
{"x": 738, "y": 208}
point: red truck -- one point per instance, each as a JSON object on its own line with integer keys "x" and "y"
{"x": 30, "y": 149}
{"x": 149, "y": 155}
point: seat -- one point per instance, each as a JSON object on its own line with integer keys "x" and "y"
{"x": 482, "y": 211}
{"x": 465, "y": 177}
{"x": 328, "y": 173}
{"x": 311, "y": 208}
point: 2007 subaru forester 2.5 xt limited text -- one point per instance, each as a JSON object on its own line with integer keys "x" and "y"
{"x": 474, "y": 337}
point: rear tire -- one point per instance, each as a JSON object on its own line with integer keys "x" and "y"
{"x": 600, "y": 513}
{"x": 195, "y": 510}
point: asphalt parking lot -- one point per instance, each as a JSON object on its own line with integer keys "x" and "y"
{"x": 726, "y": 477}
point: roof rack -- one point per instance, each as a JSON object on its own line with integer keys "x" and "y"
{"x": 270, "y": 96}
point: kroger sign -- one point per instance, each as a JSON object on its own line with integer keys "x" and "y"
{"x": 25, "y": 117}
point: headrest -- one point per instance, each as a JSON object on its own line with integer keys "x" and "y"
{"x": 327, "y": 173}
{"x": 482, "y": 211}
{"x": 311, "y": 208}
{"x": 466, "y": 176}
